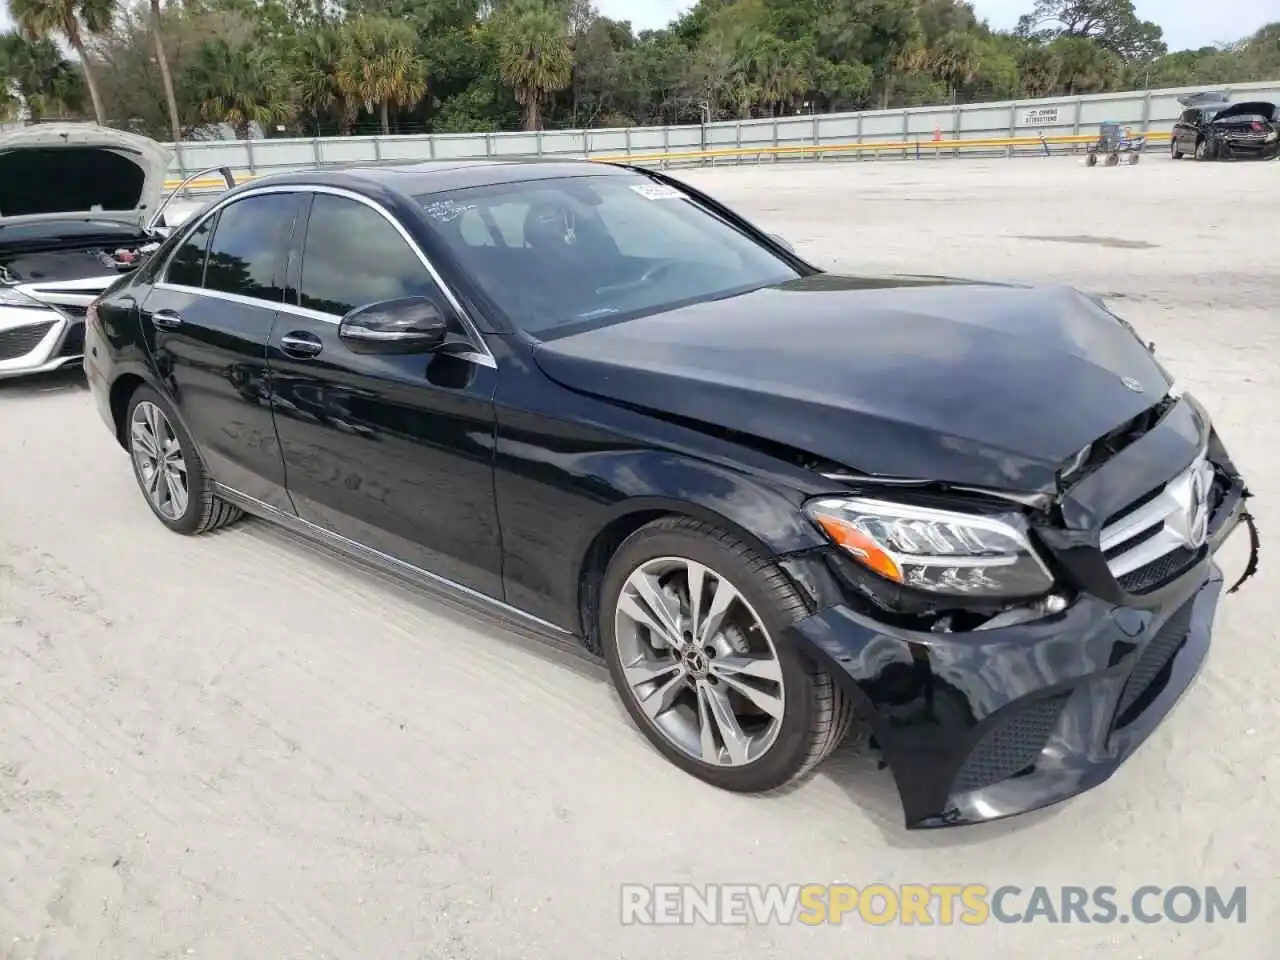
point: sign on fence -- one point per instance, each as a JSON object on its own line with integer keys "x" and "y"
{"x": 1040, "y": 117}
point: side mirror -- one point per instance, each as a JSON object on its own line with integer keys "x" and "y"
{"x": 404, "y": 325}
{"x": 782, "y": 242}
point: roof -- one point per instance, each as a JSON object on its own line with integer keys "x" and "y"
{"x": 438, "y": 176}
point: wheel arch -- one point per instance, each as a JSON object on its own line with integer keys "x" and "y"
{"x": 123, "y": 387}
{"x": 628, "y": 517}
{"x": 122, "y": 390}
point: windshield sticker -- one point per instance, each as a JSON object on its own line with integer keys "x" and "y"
{"x": 658, "y": 191}
{"x": 444, "y": 211}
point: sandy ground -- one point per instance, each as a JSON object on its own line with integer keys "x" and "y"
{"x": 238, "y": 747}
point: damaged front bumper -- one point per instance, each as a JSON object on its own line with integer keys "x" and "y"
{"x": 983, "y": 724}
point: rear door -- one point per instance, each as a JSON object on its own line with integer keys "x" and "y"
{"x": 394, "y": 452}
{"x": 208, "y": 320}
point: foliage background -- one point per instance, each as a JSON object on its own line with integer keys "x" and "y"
{"x": 182, "y": 68}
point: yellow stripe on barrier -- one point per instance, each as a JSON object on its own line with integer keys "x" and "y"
{"x": 923, "y": 146}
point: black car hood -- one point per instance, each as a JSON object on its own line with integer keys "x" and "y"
{"x": 968, "y": 384}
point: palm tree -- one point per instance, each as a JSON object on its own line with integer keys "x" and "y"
{"x": 317, "y": 53}
{"x": 166, "y": 78}
{"x": 73, "y": 19}
{"x": 36, "y": 76}
{"x": 956, "y": 58}
{"x": 239, "y": 86}
{"x": 534, "y": 56}
{"x": 380, "y": 64}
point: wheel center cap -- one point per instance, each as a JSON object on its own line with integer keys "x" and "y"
{"x": 696, "y": 662}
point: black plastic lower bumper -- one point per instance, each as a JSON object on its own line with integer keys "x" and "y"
{"x": 983, "y": 725}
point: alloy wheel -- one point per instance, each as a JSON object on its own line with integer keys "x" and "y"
{"x": 699, "y": 662}
{"x": 157, "y": 455}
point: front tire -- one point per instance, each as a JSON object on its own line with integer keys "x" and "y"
{"x": 169, "y": 470}
{"x": 694, "y": 627}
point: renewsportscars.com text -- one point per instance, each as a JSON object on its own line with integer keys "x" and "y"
{"x": 941, "y": 904}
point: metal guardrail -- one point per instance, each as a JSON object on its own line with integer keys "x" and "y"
{"x": 915, "y": 148}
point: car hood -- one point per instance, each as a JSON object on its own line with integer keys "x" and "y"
{"x": 60, "y": 170}
{"x": 962, "y": 383}
{"x": 1258, "y": 108}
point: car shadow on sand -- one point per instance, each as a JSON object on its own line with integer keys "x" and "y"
{"x": 63, "y": 380}
{"x": 854, "y": 767}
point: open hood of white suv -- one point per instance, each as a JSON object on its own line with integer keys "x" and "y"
{"x": 61, "y": 170}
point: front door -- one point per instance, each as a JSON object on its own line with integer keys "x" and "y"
{"x": 209, "y": 317}
{"x": 394, "y": 452}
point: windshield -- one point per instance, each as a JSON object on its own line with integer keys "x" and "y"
{"x": 551, "y": 253}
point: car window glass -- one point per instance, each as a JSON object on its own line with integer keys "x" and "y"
{"x": 555, "y": 252}
{"x": 353, "y": 256}
{"x": 246, "y": 246}
{"x": 187, "y": 265}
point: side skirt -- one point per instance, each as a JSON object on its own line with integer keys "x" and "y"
{"x": 439, "y": 587}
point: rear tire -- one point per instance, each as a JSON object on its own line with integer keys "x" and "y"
{"x": 689, "y": 664}
{"x": 1174, "y": 152}
{"x": 169, "y": 470}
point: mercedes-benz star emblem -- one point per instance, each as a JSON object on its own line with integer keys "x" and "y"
{"x": 1189, "y": 518}
{"x": 1198, "y": 514}
{"x": 1132, "y": 384}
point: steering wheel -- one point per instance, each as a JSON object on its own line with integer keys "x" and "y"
{"x": 665, "y": 263}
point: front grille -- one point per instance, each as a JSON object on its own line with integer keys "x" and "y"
{"x": 1159, "y": 535}
{"x": 1011, "y": 745}
{"x": 19, "y": 341}
{"x": 1151, "y": 664}
{"x": 73, "y": 342}
{"x": 1158, "y": 572}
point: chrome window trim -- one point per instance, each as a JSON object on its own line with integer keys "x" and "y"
{"x": 481, "y": 355}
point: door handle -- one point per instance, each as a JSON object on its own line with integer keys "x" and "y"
{"x": 301, "y": 345}
{"x": 166, "y": 319}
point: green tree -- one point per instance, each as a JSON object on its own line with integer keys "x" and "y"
{"x": 317, "y": 54}
{"x": 35, "y": 76}
{"x": 1113, "y": 24}
{"x": 380, "y": 65}
{"x": 240, "y": 86}
{"x": 533, "y": 55}
{"x": 74, "y": 21}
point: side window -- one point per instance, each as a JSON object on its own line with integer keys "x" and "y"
{"x": 353, "y": 256}
{"x": 187, "y": 266}
{"x": 247, "y": 245}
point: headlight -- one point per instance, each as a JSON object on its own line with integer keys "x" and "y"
{"x": 961, "y": 554}
{"x": 13, "y": 297}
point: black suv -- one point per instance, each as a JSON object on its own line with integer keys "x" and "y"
{"x": 1212, "y": 127}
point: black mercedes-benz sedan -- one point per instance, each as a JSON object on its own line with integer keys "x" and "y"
{"x": 978, "y": 520}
